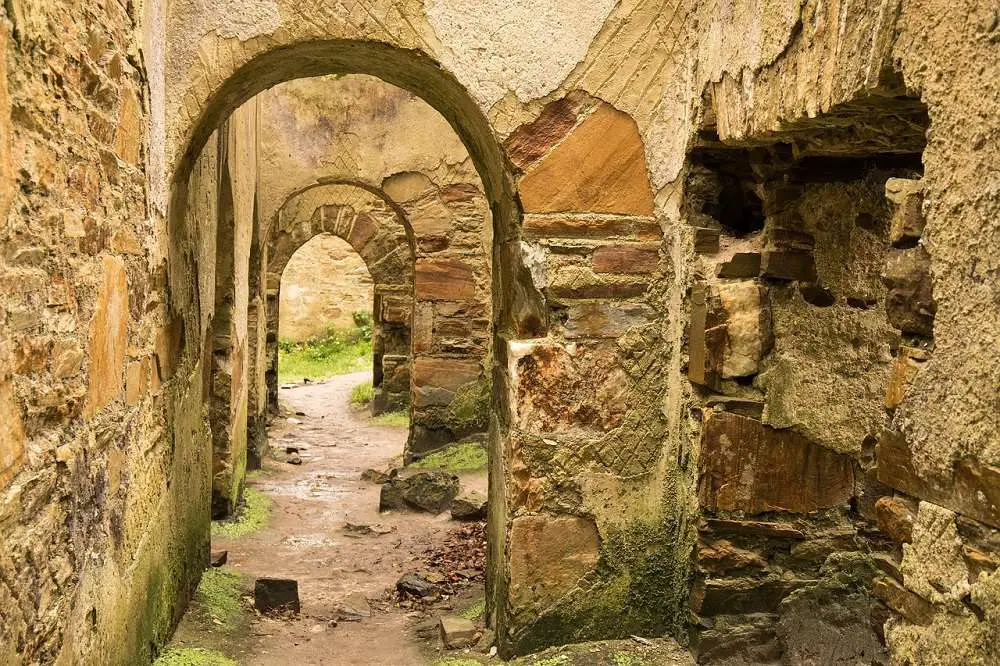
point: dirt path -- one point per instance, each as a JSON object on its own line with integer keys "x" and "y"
{"x": 337, "y": 569}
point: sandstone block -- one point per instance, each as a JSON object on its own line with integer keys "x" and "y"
{"x": 587, "y": 226}
{"x": 904, "y": 369}
{"x": 721, "y": 556}
{"x": 750, "y": 467}
{"x": 742, "y": 265}
{"x": 706, "y": 240}
{"x": 457, "y": 632}
{"x": 907, "y": 222}
{"x": 730, "y": 332}
{"x": 548, "y": 556}
{"x": 788, "y": 265}
{"x": 910, "y": 301}
{"x": 444, "y": 280}
{"x": 914, "y": 608}
{"x": 600, "y": 167}
{"x": 894, "y": 516}
{"x": 972, "y": 488}
{"x": 529, "y": 143}
{"x": 11, "y": 434}
{"x": 633, "y": 259}
{"x": 436, "y": 380}
{"x": 605, "y": 320}
{"x": 108, "y": 330}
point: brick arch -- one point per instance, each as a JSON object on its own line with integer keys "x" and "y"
{"x": 382, "y": 237}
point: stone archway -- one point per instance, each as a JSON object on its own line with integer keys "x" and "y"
{"x": 381, "y": 237}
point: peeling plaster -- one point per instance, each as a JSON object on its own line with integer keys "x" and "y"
{"x": 496, "y": 46}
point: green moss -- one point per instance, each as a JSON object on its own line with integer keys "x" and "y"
{"x": 457, "y": 662}
{"x": 475, "y": 611}
{"x": 193, "y": 657}
{"x": 251, "y": 516}
{"x": 469, "y": 410}
{"x": 218, "y": 600}
{"x": 465, "y": 457}
{"x": 362, "y": 394}
{"x": 639, "y": 588}
{"x": 552, "y": 661}
{"x": 393, "y": 420}
{"x": 627, "y": 659}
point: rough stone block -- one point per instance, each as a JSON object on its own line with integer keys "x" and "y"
{"x": 444, "y": 280}
{"x": 600, "y": 167}
{"x": 469, "y": 506}
{"x": 432, "y": 492}
{"x": 548, "y": 557}
{"x": 108, "y": 331}
{"x": 706, "y": 240}
{"x": 747, "y": 466}
{"x": 724, "y": 596}
{"x": 907, "y": 222}
{"x": 788, "y": 265}
{"x": 436, "y": 380}
{"x": 904, "y": 369}
{"x": 742, "y": 265}
{"x": 730, "y": 332}
{"x": 914, "y": 608}
{"x": 634, "y": 259}
{"x": 972, "y": 489}
{"x": 276, "y": 596}
{"x": 529, "y": 143}
{"x": 894, "y": 516}
{"x": 457, "y": 632}
{"x": 11, "y": 434}
{"x": 605, "y": 320}
{"x": 910, "y": 301}
{"x": 587, "y": 226}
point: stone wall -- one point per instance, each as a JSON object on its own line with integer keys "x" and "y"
{"x": 802, "y": 395}
{"x": 323, "y": 285}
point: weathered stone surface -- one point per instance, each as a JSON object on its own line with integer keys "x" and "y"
{"x": 788, "y": 265}
{"x": 633, "y": 259}
{"x": 910, "y": 301}
{"x": 276, "y": 596}
{"x": 755, "y": 528}
{"x": 591, "y": 227}
{"x": 706, "y": 240}
{"x": 730, "y": 332}
{"x": 444, "y": 280}
{"x": 416, "y": 585}
{"x": 741, "y": 265}
{"x": 529, "y": 143}
{"x": 457, "y": 632}
{"x": 972, "y": 489}
{"x": 599, "y": 168}
{"x": 895, "y": 517}
{"x": 432, "y": 492}
{"x": 548, "y": 557}
{"x": 907, "y": 223}
{"x": 747, "y": 466}
{"x": 469, "y": 506}
{"x": 723, "y": 596}
{"x": 436, "y": 380}
{"x": 721, "y": 556}
{"x": 11, "y": 434}
{"x": 906, "y": 366}
{"x": 605, "y": 320}
{"x": 914, "y": 608}
{"x": 567, "y": 388}
{"x": 107, "y": 338}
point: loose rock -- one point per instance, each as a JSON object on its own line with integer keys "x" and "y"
{"x": 457, "y": 632}
{"x": 469, "y": 506}
{"x": 432, "y": 492}
{"x": 276, "y": 595}
{"x": 416, "y": 585}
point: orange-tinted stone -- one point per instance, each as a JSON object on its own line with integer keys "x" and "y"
{"x": 580, "y": 226}
{"x": 750, "y": 467}
{"x": 11, "y": 434}
{"x": 531, "y": 142}
{"x": 600, "y": 167}
{"x": 107, "y": 337}
{"x": 634, "y": 259}
{"x": 443, "y": 280}
{"x": 904, "y": 369}
{"x": 548, "y": 557}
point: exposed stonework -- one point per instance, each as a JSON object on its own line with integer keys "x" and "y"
{"x": 819, "y": 169}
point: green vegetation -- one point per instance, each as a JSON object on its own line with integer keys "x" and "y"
{"x": 457, "y": 662}
{"x": 475, "y": 611}
{"x": 218, "y": 600}
{"x": 628, "y": 659}
{"x": 362, "y": 394}
{"x": 336, "y": 352}
{"x": 464, "y": 457}
{"x": 559, "y": 660}
{"x": 193, "y": 657}
{"x": 251, "y": 516}
{"x": 393, "y": 420}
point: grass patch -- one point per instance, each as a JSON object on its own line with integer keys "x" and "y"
{"x": 467, "y": 457}
{"x": 457, "y": 662}
{"x": 628, "y": 659}
{"x": 218, "y": 600}
{"x": 336, "y": 352}
{"x": 393, "y": 420}
{"x": 251, "y": 516}
{"x": 193, "y": 657}
{"x": 362, "y": 394}
{"x": 475, "y": 611}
